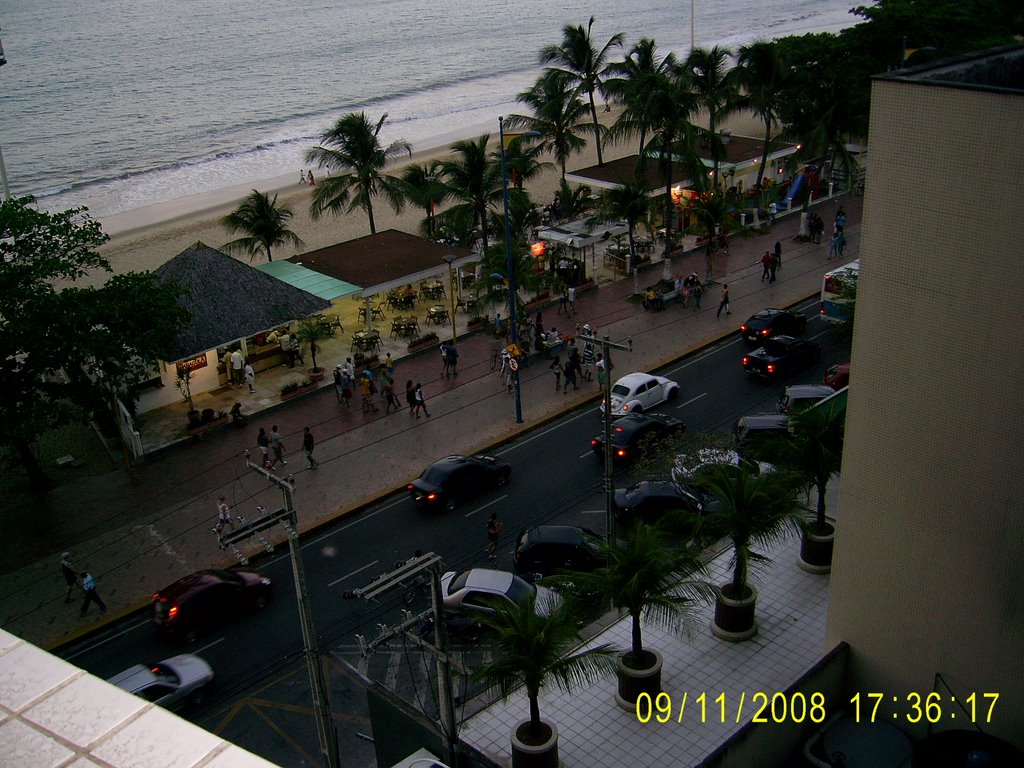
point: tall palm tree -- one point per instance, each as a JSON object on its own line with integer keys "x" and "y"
{"x": 750, "y": 510}
{"x": 265, "y": 224}
{"x": 351, "y": 149}
{"x": 577, "y": 56}
{"x": 628, "y": 82}
{"x": 473, "y": 180}
{"x": 423, "y": 186}
{"x": 710, "y": 212}
{"x": 717, "y": 92}
{"x": 531, "y": 650}
{"x": 559, "y": 115}
{"x": 630, "y": 202}
{"x": 815, "y": 451}
{"x": 760, "y": 76}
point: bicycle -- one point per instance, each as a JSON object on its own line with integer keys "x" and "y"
{"x": 495, "y": 359}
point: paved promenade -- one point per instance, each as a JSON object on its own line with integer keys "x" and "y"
{"x": 138, "y": 529}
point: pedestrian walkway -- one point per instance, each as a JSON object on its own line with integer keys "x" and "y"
{"x": 136, "y": 529}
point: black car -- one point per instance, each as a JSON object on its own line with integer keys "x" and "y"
{"x": 456, "y": 478}
{"x": 547, "y": 549}
{"x": 630, "y": 431}
{"x": 773, "y": 322}
{"x": 781, "y": 356}
{"x": 652, "y": 501}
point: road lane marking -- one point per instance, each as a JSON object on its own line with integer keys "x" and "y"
{"x": 485, "y": 506}
{"x": 353, "y": 573}
{"x": 585, "y": 455}
{"x": 587, "y": 412}
{"x": 592, "y": 511}
{"x": 691, "y": 400}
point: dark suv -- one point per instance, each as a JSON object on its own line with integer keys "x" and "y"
{"x": 547, "y": 549}
{"x": 675, "y": 506}
{"x": 205, "y": 599}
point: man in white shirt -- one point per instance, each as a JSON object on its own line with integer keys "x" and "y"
{"x": 237, "y": 361}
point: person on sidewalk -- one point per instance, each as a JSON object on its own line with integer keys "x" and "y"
{"x": 778, "y": 255}
{"x": 410, "y": 396}
{"x": 771, "y": 271}
{"x": 224, "y": 515}
{"x": 766, "y": 265}
{"x": 366, "y": 392}
{"x": 724, "y": 301}
{"x": 307, "y": 446}
{"x": 277, "y": 444}
{"x": 697, "y": 291}
{"x": 494, "y": 529}
{"x": 453, "y": 360}
{"x": 69, "y": 573}
{"x": 250, "y": 376}
{"x": 599, "y": 365}
{"x": 237, "y": 361}
{"x": 588, "y": 358}
{"x": 445, "y": 366}
{"x": 556, "y": 366}
{"x": 263, "y": 442}
{"x": 420, "y": 401}
{"x": 390, "y": 400}
{"x": 571, "y": 296}
{"x": 91, "y": 595}
{"x": 563, "y": 302}
{"x": 570, "y": 371}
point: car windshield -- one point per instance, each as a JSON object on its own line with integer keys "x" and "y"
{"x": 775, "y": 347}
{"x": 519, "y": 591}
{"x": 458, "y": 582}
{"x": 620, "y": 389}
{"x": 436, "y": 474}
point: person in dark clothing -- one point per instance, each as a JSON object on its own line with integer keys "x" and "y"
{"x": 91, "y": 595}
{"x": 69, "y": 574}
{"x": 766, "y": 265}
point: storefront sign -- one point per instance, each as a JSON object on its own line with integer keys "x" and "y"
{"x": 193, "y": 363}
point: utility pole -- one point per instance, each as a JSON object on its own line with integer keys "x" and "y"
{"x": 609, "y": 487}
{"x": 317, "y": 681}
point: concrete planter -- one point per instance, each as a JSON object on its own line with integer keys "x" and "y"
{"x": 734, "y": 617}
{"x": 816, "y": 550}
{"x": 526, "y": 754}
{"x": 298, "y": 392}
{"x": 633, "y": 681}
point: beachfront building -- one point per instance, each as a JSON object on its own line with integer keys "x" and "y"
{"x": 233, "y": 306}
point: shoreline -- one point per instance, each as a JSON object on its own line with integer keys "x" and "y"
{"x": 143, "y": 239}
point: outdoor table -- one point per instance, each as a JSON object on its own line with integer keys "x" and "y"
{"x": 366, "y": 340}
{"x": 434, "y": 290}
{"x": 466, "y": 305}
{"x": 438, "y": 314}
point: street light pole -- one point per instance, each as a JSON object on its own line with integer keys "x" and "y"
{"x": 451, "y": 289}
{"x": 513, "y": 326}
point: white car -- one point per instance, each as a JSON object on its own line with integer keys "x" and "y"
{"x": 171, "y": 683}
{"x": 639, "y": 392}
{"x": 476, "y": 589}
{"x": 686, "y": 466}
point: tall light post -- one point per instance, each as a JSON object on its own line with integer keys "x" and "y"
{"x": 451, "y": 288}
{"x": 3, "y": 168}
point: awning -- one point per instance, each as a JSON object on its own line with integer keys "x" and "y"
{"x": 583, "y": 232}
{"x": 323, "y": 286}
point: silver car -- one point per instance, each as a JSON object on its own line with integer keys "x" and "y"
{"x": 171, "y": 683}
{"x": 476, "y": 589}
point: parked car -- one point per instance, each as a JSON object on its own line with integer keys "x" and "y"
{"x": 754, "y": 435}
{"x": 639, "y": 392}
{"x": 171, "y": 683}
{"x": 476, "y": 589}
{"x": 203, "y": 600}
{"x": 687, "y": 466}
{"x": 653, "y": 501}
{"x": 547, "y": 549}
{"x": 781, "y": 356}
{"x": 837, "y": 376}
{"x": 631, "y": 430}
{"x": 453, "y": 479}
{"x": 800, "y": 397}
{"x": 773, "y": 322}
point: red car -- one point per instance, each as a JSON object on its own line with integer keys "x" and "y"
{"x": 837, "y": 376}
{"x": 205, "y": 599}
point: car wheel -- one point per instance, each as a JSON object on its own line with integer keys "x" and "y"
{"x": 637, "y": 408}
{"x": 260, "y": 602}
{"x": 673, "y": 394}
{"x": 449, "y": 504}
{"x": 502, "y": 479}
{"x": 189, "y": 636}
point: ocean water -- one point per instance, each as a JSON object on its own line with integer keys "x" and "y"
{"x": 121, "y": 104}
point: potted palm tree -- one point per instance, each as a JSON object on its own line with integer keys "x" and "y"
{"x": 652, "y": 581}
{"x": 311, "y": 332}
{"x": 264, "y": 225}
{"x": 184, "y": 383}
{"x": 533, "y": 650}
{"x": 814, "y": 453}
{"x": 748, "y": 509}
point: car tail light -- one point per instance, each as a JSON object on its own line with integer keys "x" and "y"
{"x": 771, "y": 368}
{"x": 595, "y": 442}
{"x": 746, "y": 360}
{"x": 156, "y": 598}
{"x": 172, "y": 612}
{"x": 431, "y": 496}
{"x": 764, "y": 332}
{"x": 744, "y": 328}
{"x": 621, "y": 453}
{"x": 618, "y": 429}
{"x": 410, "y": 486}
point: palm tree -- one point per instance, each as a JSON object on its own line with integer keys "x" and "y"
{"x": 310, "y": 332}
{"x": 531, "y": 650}
{"x": 265, "y": 224}
{"x": 351, "y": 149}
{"x": 573, "y": 202}
{"x": 749, "y": 510}
{"x": 473, "y": 180}
{"x": 559, "y": 115}
{"x": 760, "y": 75}
{"x": 717, "y": 92}
{"x": 815, "y": 451}
{"x": 577, "y": 56}
{"x": 630, "y": 202}
{"x": 424, "y": 187}
{"x": 629, "y": 81}
{"x": 711, "y": 214}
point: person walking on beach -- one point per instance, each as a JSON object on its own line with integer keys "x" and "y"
{"x": 494, "y": 529}
{"x": 307, "y": 446}
{"x": 277, "y": 444}
{"x": 302, "y": 176}
{"x": 223, "y": 515}
{"x": 91, "y": 595}
{"x": 410, "y": 396}
{"x": 312, "y": 181}
{"x": 420, "y": 401}
{"x": 69, "y": 573}
{"x": 250, "y": 376}
{"x": 766, "y": 265}
{"x": 724, "y": 301}
{"x": 263, "y": 442}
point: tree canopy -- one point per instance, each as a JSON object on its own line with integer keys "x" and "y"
{"x": 65, "y": 353}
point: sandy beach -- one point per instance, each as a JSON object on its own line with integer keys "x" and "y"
{"x": 143, "y": 239}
